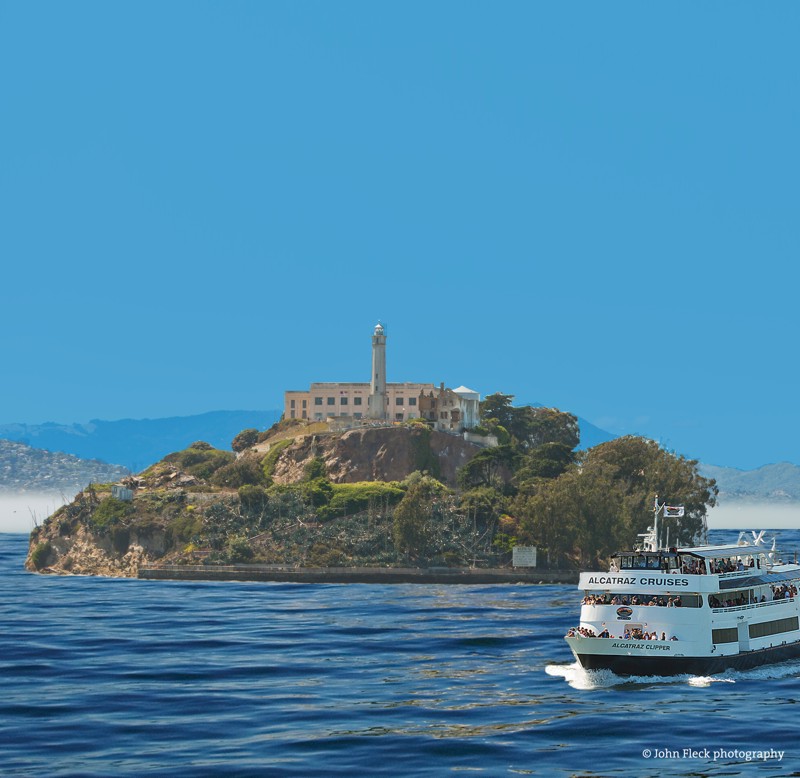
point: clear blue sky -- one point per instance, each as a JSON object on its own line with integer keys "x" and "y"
{"x": 586, "y": 205}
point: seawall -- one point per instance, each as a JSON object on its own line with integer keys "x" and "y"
{"x": 371, "y": 575}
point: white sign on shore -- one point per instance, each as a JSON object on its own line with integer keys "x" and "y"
{"x": 524, "y": 556}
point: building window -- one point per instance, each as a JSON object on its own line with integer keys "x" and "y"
{"x": 398, "y": 416}
{"x": 356, "y": 401}
{"x": 317, "y": 416}
{"x": 412, "y": 400}
{"x": 343, "y": 400}
{"x": 442, "y": 414}
{"x": 398, "y": 400}
{"x": 305, "y": 414}
{"x": 317, "y": 401}
{"x": 291, "y": 403}
{"x": 331, "y": 401}
{"x": 292, "y": 414}
{"x": 305, "y": 403}
{"x": 357, "y": 415}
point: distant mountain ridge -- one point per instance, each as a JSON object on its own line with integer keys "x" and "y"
{"x": 779, "y": 482}
{"x": 138, "y": 443}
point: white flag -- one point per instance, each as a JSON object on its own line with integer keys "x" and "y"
{"x": 673, "y": 511}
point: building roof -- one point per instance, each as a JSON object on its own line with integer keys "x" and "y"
{"x": 467, "y": 393}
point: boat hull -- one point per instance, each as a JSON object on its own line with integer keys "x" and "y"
{"x": 627, "y": 665}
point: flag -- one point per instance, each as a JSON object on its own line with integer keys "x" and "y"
{"x": 673, "y": 511}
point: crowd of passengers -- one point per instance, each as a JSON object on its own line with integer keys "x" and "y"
{"x": 784, "y": 592}
{"x": 730, "y": 565}
{"x": 629, "y": 634}
{"x": 636, "y": 599}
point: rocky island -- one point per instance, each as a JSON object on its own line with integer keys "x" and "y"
{"x": 403, "y": 498}
{"x": 299, "y": 495}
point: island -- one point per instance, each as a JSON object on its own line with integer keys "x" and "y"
{"x": 376, "y": 501}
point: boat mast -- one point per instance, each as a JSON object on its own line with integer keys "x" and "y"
{"x": 656, "y": 511}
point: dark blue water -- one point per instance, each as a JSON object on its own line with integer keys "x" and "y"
{"x": 106, "y": 677}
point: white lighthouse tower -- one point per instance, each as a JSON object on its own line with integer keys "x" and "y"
{"x": 376, "y": 408}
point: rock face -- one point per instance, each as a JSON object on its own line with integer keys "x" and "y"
{"x": 89, "y": 553}
{"x": 377, "y": 454}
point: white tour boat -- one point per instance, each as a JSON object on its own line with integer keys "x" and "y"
{"x": 698, "y": 610}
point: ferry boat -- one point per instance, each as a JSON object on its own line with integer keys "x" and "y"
{"x": 698, "y": 610}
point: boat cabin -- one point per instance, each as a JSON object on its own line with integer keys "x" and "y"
{"x": 719, "y": 560}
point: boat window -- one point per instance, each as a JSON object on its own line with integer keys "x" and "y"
{"x": 754, "y": 596}
{"x": 616, "y": 599}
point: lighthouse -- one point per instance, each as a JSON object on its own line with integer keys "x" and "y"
{"x": 376, "y": 407}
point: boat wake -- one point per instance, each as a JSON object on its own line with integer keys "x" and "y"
{"x": 579, "y": 678}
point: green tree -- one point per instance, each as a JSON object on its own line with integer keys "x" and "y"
{"x": 549, "y": 460}
{"x": 492, "y": 467}
{"x": 410, "y": 530}
{"x": 483, "y": 505}
{"x": 530, "y": 427}
{"x": 602, "y": 505}
{"x": 549, "y": 425}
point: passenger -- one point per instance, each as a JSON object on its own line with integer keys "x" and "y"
{"x": 663, "y": 635}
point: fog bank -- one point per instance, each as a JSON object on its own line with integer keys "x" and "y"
{"x": 20, "y": 512}
{"x": 755, "y": 516}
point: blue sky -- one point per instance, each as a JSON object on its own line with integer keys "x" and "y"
{"x": 589, "y": 206}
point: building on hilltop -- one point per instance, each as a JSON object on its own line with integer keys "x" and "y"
{"x": 448, "y": 410}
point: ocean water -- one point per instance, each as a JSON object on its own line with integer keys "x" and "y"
{"x": 107, "y": 677}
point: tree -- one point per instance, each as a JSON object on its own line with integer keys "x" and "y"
{"x": 490, "y": 467}
{"x": 549, "y": 425}
{"x": 497, "y": 407}
{"x": 530, "y": 427}
{"x": 601, "y": 505}
{"x": 410, "y": 529}
{"x": 549, "y": 460}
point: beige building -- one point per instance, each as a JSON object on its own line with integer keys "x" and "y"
{"x": 401, "y": 401}
{"x": 378, "y": 400}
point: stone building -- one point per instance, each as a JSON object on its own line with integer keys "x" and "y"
{"x": 450, "y": 410}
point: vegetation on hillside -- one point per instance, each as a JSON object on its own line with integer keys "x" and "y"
{"x": 204, "y": 504}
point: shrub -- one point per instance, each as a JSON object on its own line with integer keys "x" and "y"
{"x": 254, "y": 501}
{"x": 184, "y": 528}
{"x": 271, "y": 459}
{"x": 245, "y": 439}
{"x": 315, "y": 468}
{"x": 200, "y": 459}
{"x": 110, "y": 512}
{"x": 321, "y": 555}
{"x": 238, "y": 549}
{"x": 40, "y": 555}
{"x": 242, "y": 471}
{"x": 352, "y": 498}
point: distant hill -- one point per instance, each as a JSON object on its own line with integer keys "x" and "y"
{"x": 779, "y": 482}
{"x": 137, "y": 443}
{"x": 591, "y": 435}
{"x": 26, "y": 469}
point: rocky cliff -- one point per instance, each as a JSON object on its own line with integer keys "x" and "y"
{"x": 376, "y": 454}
